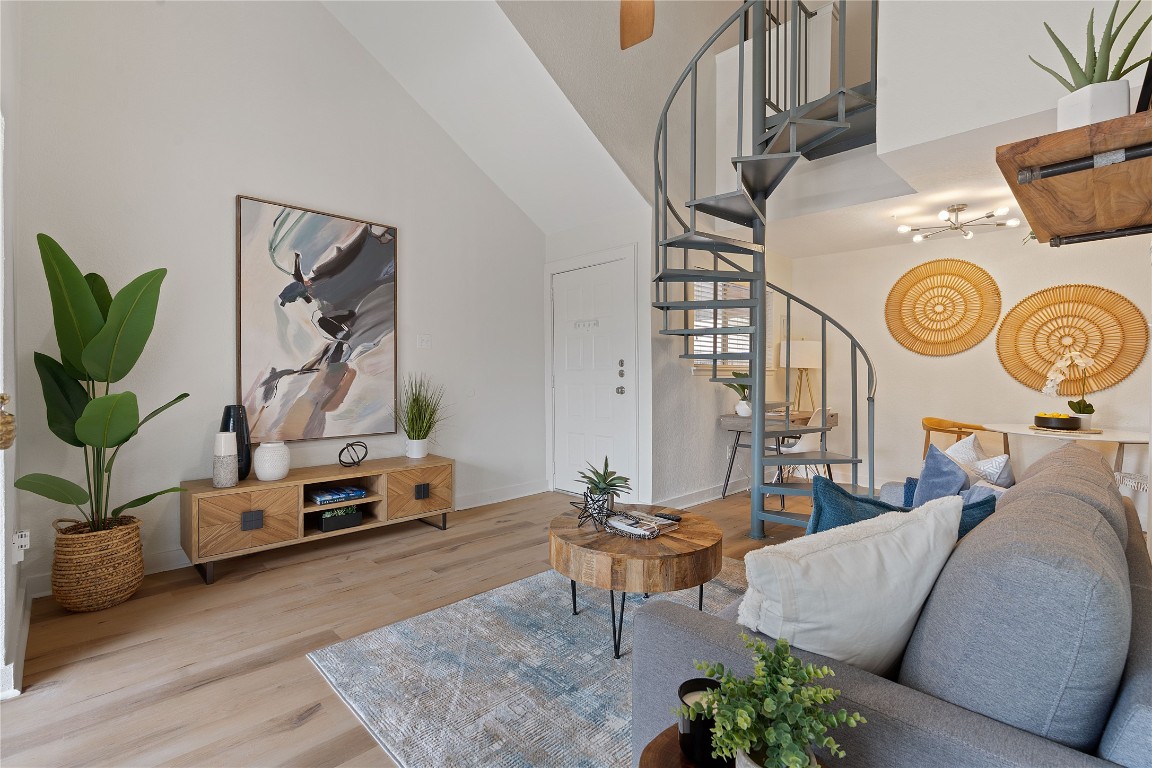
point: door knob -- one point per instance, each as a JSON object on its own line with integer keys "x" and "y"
{"x": 619, "y": 390}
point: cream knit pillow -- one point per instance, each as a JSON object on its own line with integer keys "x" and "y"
{"x": 852, "y": 593}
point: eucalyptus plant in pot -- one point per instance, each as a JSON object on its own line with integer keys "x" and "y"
{"x": 98, "y": 561}
{"x": 1097, "y": 89}
{"x": 418, "y": 412}
{"x": 773, "y": 717}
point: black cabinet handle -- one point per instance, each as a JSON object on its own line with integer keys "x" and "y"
{"x": 252, "y": 521}
{"x": 422, "y": 491}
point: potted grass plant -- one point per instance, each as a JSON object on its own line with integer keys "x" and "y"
{"x": 98, "y": 561}
{"x": 419, "y": 411}
{"x": 773, "y": 717}
{"x": 1097, "y": 88}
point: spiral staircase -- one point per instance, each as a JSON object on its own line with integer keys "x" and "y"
{"x": 785, "y": 125}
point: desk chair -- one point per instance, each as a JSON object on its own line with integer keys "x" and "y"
{"x": 808, "y": 442}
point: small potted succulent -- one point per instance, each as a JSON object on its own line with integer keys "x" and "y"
{"x": 743, "y": 408}
{"x": 774, "y": 716}
{"x": 604, "y": 486}
{"x": 1097, "y": 89}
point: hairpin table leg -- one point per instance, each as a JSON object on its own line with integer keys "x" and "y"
{"x": 574, "y": 611}
{"x": 617, "y": 629}
{"x": 700, "y": 606}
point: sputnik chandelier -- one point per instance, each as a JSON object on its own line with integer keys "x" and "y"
{"x": 952, "y": 223}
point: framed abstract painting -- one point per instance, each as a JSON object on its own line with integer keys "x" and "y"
{"x": 316, "y": 322}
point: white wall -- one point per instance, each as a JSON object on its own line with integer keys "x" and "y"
{"x": 142, "y": 121}
{"x": 970, "y": 386}
{"x": 13, "y": 606}
{"x": 929, "y": 52}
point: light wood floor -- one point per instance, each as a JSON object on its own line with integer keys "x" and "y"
{"x": 185, "y": 674}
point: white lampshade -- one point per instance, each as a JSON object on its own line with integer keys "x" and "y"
{"x": 805, "y": 354}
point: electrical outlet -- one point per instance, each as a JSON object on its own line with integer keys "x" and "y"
{"x": 423, "y": 341}
{"x": 21, "y": 540}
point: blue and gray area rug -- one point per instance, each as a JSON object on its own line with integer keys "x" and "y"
{"x": 506, "y": 679}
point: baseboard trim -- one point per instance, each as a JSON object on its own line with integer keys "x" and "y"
{"x": 496, "y": 495}
{"x": 40, "y": 584}
{"x": 705, "y": 495}
{"x": 12, "y": 675}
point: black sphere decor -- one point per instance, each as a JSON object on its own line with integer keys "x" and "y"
{"x": 235, "y": 419}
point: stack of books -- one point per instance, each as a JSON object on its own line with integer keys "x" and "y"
{"x": 638, "y": 525}
{"x": 336, "y": 494}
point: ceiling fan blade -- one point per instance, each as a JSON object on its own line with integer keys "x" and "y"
{"x": 637, "y": 18}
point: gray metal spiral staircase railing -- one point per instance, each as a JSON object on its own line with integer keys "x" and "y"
{"x": 798, "y": 127}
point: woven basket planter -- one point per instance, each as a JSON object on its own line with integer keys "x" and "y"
{"x": 94, "y": 571}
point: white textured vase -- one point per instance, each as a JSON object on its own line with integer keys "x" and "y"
{"x": 271, "y": 461}
{"x": 416, "y": 449}
{"x": 743, "y": 408}
{"x": 1085, "y": 420}
{"x": 1093, "y": 103}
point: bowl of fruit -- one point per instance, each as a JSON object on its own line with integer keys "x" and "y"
{"x": 1057, "y": 421}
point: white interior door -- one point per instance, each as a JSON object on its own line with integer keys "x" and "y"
{"x": 593, "y": 372}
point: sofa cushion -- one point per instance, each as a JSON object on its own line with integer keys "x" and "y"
{"x": 832, "y": 506}
{"x": 1077, "y": 473}
{"x": 1128, "y": 738}
{"x": 1067, "y": 454}
{"x": 1029, "y": 621}
{"x": 852, "y": 593}
{"x": 940, "y": 477}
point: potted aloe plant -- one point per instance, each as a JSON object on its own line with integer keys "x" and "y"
{"x": 773, "y": 717}
{"x": 98, "y": 561}
{"x": 419, "y": 412}
{"x": 1097, "y": 89}
{"x": 604, "y": 485}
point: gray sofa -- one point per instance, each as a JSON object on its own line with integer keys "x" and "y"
{"x": 1033, "y": 649}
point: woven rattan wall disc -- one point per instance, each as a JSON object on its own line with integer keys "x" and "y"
{"x": 1095, "y": 321}
{"x": 942, "y": 307}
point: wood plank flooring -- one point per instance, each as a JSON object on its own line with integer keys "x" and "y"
{"x": 185, "y": 674}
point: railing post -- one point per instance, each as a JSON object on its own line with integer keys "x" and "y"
{"x": 759, "y": 76}
{"x": 843, "y": 43}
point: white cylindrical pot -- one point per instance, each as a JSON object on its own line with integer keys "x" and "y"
{"x": 743, "y": 408}
{"x": 271, "y": 461}
{"x": 416, "y": 449}
{"x": 1085, "y": 420}
{"x": 1093, "y": 103}
{"x": 224, "y": 466}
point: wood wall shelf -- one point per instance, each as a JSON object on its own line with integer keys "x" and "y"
{"x": 1098, "y": 202}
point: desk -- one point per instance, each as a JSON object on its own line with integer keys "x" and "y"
{"x": 1119, "y": 436}
{"x": 774, "y": 429}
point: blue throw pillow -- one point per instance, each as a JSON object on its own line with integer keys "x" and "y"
{"x": 909, "y": 491}
{"x": 832, "y": 506}
{"x": 940, "y": 477}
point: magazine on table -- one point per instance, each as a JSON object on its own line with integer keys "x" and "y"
{"x": 638, "y": 525}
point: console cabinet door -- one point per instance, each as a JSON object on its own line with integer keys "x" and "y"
{"x": 236, "y": 521}
{"x": 406, "y": 487}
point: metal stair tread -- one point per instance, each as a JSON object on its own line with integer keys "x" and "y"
{"x": 731, "y": 331}
{"x": 706, "y": 241}
{"x": 729, "y": 206}
{"x": 809, "y": 133}
{"x": 794, "y": 487}
{"x": 717, "y": 356}
{"x": 763, "y": 173}
{"x": 809, "y": 457}
{"x": 711, "y": 304}
{"x": 706, "y": 276}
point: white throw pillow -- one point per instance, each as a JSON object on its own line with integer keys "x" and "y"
{"x": 966, "y": 452}
{"x": 852, "y": 593}
{"x": 996, "y": 470}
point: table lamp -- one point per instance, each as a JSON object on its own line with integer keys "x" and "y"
{"x": 803, "y": 355}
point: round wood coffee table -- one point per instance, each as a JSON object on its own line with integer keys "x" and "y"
{"x": 681, "y": 559}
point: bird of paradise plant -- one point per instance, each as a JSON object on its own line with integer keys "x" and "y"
{"x": 101, "y": 338}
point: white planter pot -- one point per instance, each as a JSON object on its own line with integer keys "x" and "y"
{"x": 1085, "y": 420}
{"x": 271, "y": 461}
{"x": 743, "y": 408}
{"x": 743, "y": 761}
{"x": 416, "y": 449}
{"x": 1093, "y": 104}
